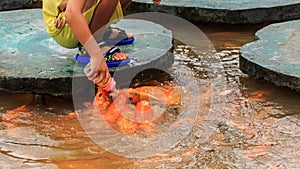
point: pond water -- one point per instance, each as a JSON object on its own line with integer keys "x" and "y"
{"x": 253, "y": 124}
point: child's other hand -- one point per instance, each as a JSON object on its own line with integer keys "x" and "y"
{"x": 156, "y": 2}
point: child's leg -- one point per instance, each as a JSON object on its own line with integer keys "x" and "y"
{"x": 125, "y": 4}
{"x": 101, "y": 16}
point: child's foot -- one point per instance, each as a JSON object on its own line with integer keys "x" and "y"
{"x": 117, "y": 33}
{"x": 116, "y": 53}
{"x": 112, "y": 55}
{"x": 117, "y": 36}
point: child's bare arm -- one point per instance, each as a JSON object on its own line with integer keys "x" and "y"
{"x": 76, "y": 21}
{"x": 81, "y": 30}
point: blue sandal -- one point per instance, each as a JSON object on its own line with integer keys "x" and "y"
{"x": 120, "y": 39}
{"x": 110, "y": 54}
{"x": 83, "y": 57}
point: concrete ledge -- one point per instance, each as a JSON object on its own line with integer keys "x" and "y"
{"x": 219, "y": 11}
{"x": 19, "y": 4}
{"x": 32, "y": 62}
{"x": 233, "y": 12}
{"x": 275, "y": 55}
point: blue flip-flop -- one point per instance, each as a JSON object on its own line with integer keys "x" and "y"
{"x": 120, "y": 42}
{"x": 120, "y": 39}
{"x": 85, "y": 58}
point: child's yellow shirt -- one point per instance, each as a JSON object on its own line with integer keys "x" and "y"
{"x": 64, "y": 36}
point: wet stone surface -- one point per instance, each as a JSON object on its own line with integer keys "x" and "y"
{"x": 222, "y": 11}
{"x": 275, "y": 55}
{"x": 31, "y": 61}
{"x": 18, "y": 4}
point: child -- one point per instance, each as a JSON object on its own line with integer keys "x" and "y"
{"x": 73, "y": 21}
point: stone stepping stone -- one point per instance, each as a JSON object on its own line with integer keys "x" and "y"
{"x": 19, "y": 4}
{"x": 275, "y": 56}
{"x": 32, "y": 62}
{"x": 224, "y": 11}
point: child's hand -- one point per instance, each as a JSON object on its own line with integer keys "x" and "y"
{"x": 156, "y": 2}
{"x": 99, "y": 71}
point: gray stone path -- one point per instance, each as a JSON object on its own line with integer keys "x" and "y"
{"x": 224, "y": 11}
{"x": 19, "y": 4}
{"x": 31, "y": 61}
{"x": 275, "y": 56}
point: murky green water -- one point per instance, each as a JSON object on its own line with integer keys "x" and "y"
{"x": 253, "y": 123}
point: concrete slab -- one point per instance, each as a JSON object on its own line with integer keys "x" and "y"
{"x": 19, "y": 4}
{"x": 224, "y": 11}
{"x": 275, "y": 56}
{"x": 220, "y": 11}
{"x": 31, "y": 61}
